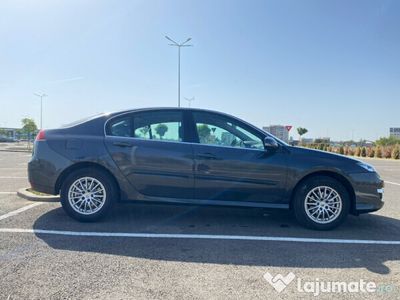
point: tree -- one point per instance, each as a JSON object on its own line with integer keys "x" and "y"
{"x": 301, "y": 131}
{"x": 388, "y": 141}
{"x": 3, "y": 132}
{"x": 161, "y": 129}
{"x": 29, "y": 126}
{"x": 144, "y": 130}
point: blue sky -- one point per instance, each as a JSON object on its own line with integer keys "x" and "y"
{"x": 330, "y": 66}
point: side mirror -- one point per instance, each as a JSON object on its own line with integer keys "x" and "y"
{"x": 270, "y": 143}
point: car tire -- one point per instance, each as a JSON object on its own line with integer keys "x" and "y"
{"x": 88, "y": 194}
{"x": 321, "y": 203}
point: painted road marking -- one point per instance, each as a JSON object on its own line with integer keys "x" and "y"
{"x": 8, "y": 193}
{"x": 13, "y": 177}
{"x": 197, "y": 236}
{"x": 20, "y": 210}
{"x": 392, "y": 182}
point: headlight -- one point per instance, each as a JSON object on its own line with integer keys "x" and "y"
{"x": 367, "y": 167}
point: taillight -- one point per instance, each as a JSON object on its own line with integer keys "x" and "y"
{"x": 40, "y": 136}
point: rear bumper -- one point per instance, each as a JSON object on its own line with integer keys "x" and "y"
{"x": 42, "y": 171}
{"x": 369, "y": 189}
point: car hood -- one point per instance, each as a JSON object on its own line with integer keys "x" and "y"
{"x": 320, "y": 153}
{"x": 317, "y": 157}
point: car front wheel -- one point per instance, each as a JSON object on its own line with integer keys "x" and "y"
{"x": 321, "y": 203}
{"x": 87, "y": 194}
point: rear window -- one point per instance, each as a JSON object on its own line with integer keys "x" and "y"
{"x": 120, "y": 127}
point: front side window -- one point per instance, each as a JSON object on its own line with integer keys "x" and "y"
{"x": 159, "y": 125}
{"x": 221, "y": 131}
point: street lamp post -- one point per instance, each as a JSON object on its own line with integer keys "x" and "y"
{"x": 175, "y": 44}
{"x": 41, "y": 96}
{"x": 190, "y": 100}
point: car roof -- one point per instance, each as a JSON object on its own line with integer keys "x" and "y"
{"x": 164, "y": 108}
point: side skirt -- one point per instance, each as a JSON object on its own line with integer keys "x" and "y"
{"x": 209, "y": 202}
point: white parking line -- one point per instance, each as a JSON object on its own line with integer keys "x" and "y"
{"x": 7, "y": 193}
{"x": 16, "y": 212}
{"x": 392, "y": 182}
{"x": 13, "y": 177}
{"x": 198, "y": 236}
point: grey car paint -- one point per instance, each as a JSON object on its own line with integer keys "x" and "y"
{"x": 175, "y": 172}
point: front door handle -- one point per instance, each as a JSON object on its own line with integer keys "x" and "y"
{"x": 123, "y": 144}
{"x": 207, "y": 156}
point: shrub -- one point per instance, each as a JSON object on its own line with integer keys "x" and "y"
{"x": 346, "y": 150}
{"x": 351, "y": 151}
{"x": 396, "y": 152}
{"x": 378, "y": 152}
{"x": 363, "y": 152}
{"x": 357, "y": 151}
{"x": 387, "y": 152}
{"x": 330, "y": 149}
{"x": 341, "y": 150}
{"x": 370, "y": 152}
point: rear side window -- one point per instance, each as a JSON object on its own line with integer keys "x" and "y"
{"x": 159, "y": 125}
{"x": 120, "y": 127}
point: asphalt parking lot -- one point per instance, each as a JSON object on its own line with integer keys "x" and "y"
{"x": 165, "y": 252}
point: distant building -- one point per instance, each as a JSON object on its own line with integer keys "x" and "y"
{"x": 307, "y": 140}
{"x": 279, "y": 131}
{"x": 322, "y": 140}
{"x": 9, "y": 132}
{"x": 395, "y": 131}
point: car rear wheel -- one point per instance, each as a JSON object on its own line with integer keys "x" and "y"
{"x": 321, "y": 203}
{"x": 87, "y": 194}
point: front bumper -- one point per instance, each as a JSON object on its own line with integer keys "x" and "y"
{"x": 369, "y": 189}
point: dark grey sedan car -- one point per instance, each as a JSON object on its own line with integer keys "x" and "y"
{"x": 198, "y": 157}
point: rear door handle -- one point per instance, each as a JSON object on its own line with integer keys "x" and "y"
{"x": 207, "y": 156}
{"x": 123, "y": 144}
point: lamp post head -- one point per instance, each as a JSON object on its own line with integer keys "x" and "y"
{"x": 40, "y": 95}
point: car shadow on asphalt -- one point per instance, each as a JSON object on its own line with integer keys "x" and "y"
{"x": 146, "y": 218}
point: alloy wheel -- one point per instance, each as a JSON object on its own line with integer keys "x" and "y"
{"x": 87, "y": 195}
{"x": 323, "y": 204}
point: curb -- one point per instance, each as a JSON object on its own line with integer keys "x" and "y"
{"x": 25, "y": 194}
{"x": 15, "y": 150}
{"x": 379, "y": 158}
